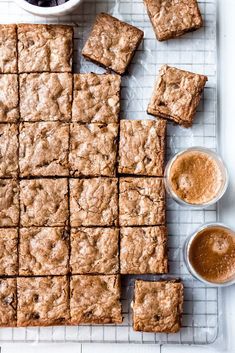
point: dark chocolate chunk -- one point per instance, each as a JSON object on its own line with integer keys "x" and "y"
{"x": 46, "y": 3}
{"x": 33, "y": 2}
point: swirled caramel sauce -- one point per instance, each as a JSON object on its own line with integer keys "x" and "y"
{"x": 212, "y": 254}
{"x": 196, "y": 177}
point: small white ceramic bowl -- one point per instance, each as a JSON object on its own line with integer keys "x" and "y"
{"x": 59, "y": 10}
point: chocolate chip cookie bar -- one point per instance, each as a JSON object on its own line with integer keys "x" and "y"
{"x": 95, "y": 300}
{"x": 176, "y": 95}
{"x": 44, "y": 149}
{"x": 143, "y": 250}
{"x": 9, "y": 201}
{"x": 93, "y": 202}
{"x": 142, "y": 147}
{"x": 45, "y": 97}
{"x": 158, "y": 306}
{"x": 8, "y": 150}
{"x": 93, "y": 149}
{"x": 173, "y": 18}
{"x": 8, "y": 49}
{"x": 94, "y": 250}
{"x": 8, "y": 302}
{"x": 43, "y": 251}
{"x": 9, "y": 100}
{"x": 44, "y": 202}
{"x": 45, "y": 48}
{"x": 141, "y": 201}
{"x": 112, "y": 43}
{"x": 96, "y": 98}
{"x": 42, "y": 301}
{"x": 8, "y": 252}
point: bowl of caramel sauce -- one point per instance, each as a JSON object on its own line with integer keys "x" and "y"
{"x": 210, "y": 254}
{"x": 196, "y": 177}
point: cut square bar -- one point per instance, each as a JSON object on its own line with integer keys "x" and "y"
{"x": 143, "y": 250}
{"x": 8, "y": 252}
{"x": 176, "y": 95}
{"x": 45, "y": 48}
{"x": 141, "y": 201}
{"x": 8, "y": 49}
{"x": 9, "y": 150}
{"x": 42, "y": 301}
{"x": 158, "y": 306}
{"x": 96, "y": 98}
{"x": 142, "y": 147}
{"x": 44, "y": 149}
{"x": 173, "y": 18}
{"x": 43, "y": 251}
{"x": 8, "y": 302}
{"x": 112, "y": 43}
{"x": 93, "y": 202}
{"x": 93, "y": 149}
{"x": 9, "y": 201}
{"x": 46, "y": 97}
{"x": 94, "y": 250}
{"x": 44, "y": 202}
{"x": 95, "y": 300}
{"x": 9, "y": 100}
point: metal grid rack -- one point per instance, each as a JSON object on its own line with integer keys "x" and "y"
{"x": 194, "y": 52}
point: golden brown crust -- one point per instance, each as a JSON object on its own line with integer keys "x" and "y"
{"x": 143, "y": 250}
{"x": 93, "y": 202}
{"x": 95, "y": 300}
{"x": 93, "y": 149}
{"x": 94, "y": 250}
{"x": 45, "y": 96}
{"x": 42, "y": 301}
{"x": 112, "y": 43}
{"x": 158, "y": 306}
{"x": 45, "y": 48}
{"x": 8, "y": 252}
{"x": 8, "y": 49}
{"x": 176, "y": 95}
{"x": 8, "y": 150}
{"x": 173, "y": 18}
{"x": 9, "y": 100}
{"x": 8, "y": 302}
{"x": 141, "y": 201}
{"x": 43, "y": 251}
{"x": 142, "y": 147}
{"x": 44, "y": 149}
{"x": 44, "y": 202}
{"x": 9, "y": 203}
{"x": 96, "y": 98}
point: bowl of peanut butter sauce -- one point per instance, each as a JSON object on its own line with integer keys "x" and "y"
{"x": 196, "y": 177}
{"x": 210, "y": 254}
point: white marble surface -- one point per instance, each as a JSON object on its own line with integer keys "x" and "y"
{"x": 226, "y": 25}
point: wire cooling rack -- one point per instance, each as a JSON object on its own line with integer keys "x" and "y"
{"x": 194, "y": 52}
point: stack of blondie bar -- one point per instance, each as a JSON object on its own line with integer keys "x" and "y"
{"x": 82, "y": 197}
